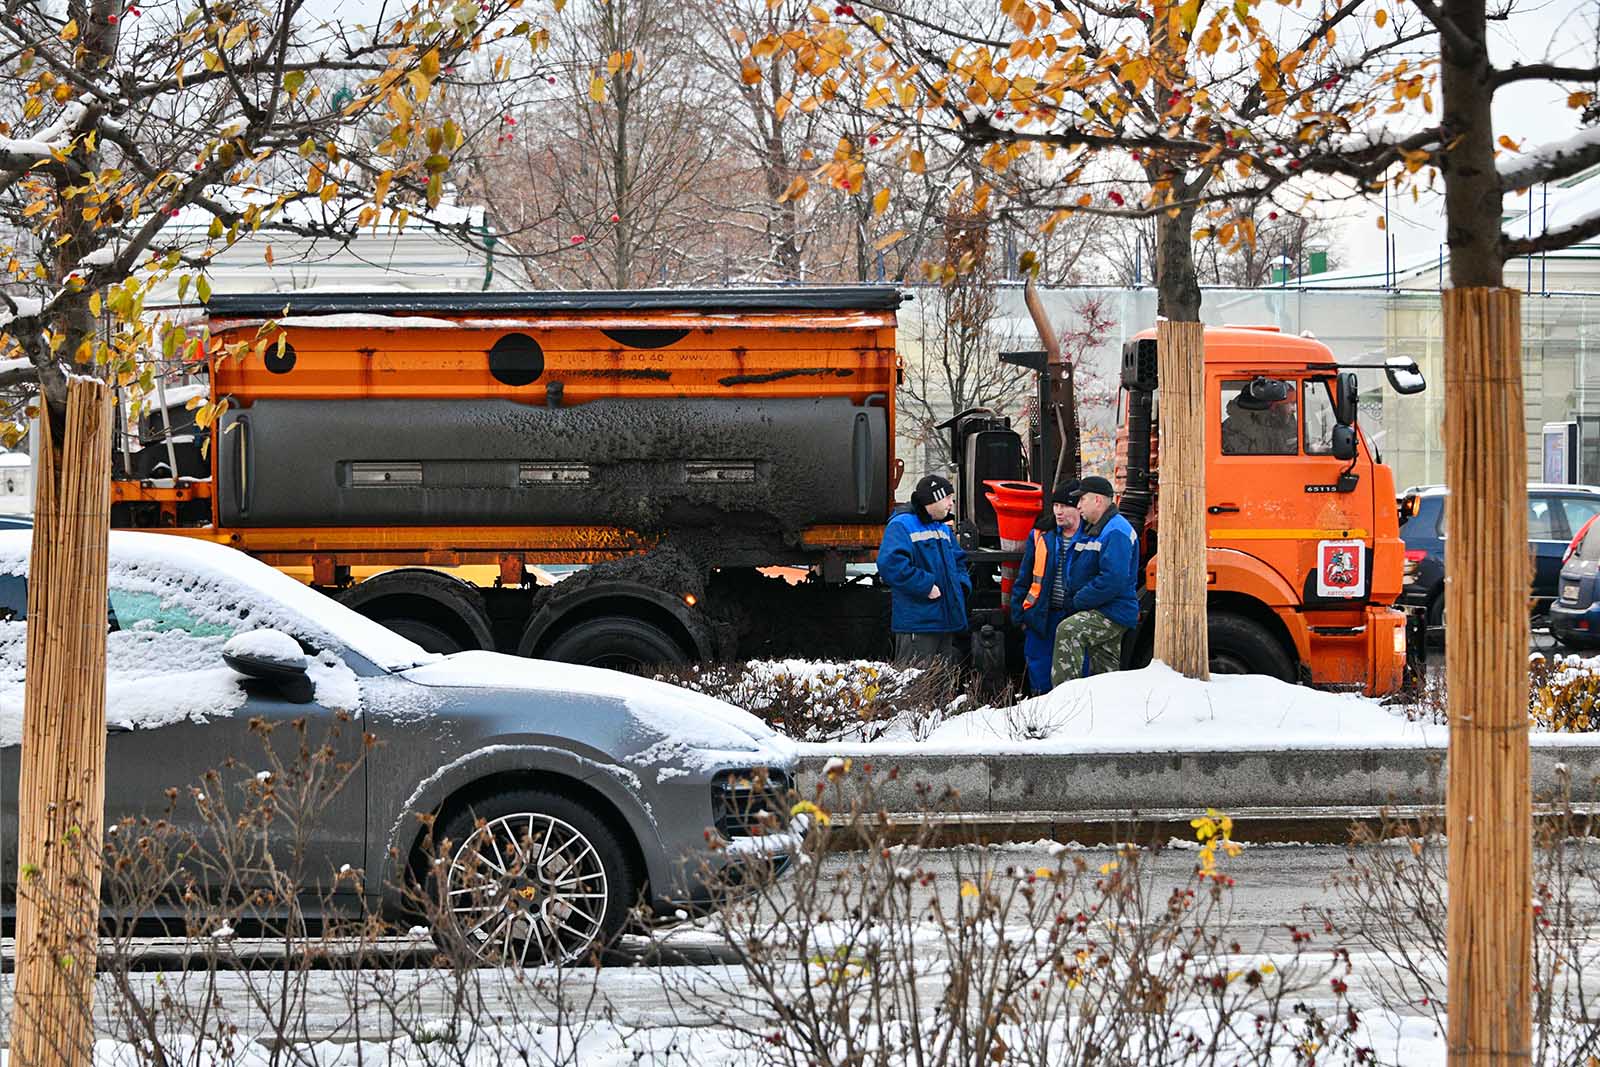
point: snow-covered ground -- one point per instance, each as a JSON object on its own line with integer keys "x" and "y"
{"x": 1153, "y": 709}
{"x": 1411, "y": 1042}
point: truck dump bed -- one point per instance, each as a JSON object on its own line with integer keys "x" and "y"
{"x": 767, "y": 411}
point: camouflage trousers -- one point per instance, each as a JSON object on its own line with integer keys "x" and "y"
{"x": 1087, "y": 636}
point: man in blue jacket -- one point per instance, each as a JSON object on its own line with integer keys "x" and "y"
{"x": 1104, "y": 580}
{"x": 927, "y": 575}
{"x": 1042, "y": 595}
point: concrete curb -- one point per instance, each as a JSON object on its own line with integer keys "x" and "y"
{"x": 1070, "y": 786}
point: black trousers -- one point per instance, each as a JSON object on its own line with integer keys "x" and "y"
{"x": 924, "y": 648}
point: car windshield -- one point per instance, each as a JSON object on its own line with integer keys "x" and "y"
{"x": 224, "y": 580}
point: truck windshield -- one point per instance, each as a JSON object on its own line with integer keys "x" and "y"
{"x": 1247, "y": 431}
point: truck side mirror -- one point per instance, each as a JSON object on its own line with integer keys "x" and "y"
{"x": 1344, "y": 442}
{"x": 1346, "y": 391}
{"x": 1405, "y": 377}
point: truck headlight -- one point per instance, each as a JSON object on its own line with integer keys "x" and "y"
{"x": 1400, "y": 641}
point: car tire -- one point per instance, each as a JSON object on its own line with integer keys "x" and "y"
{"x": 496, "y": 907}
{"x": 422, "y": 633}
{"x": 1240, "y": 645}
{"x": 616, "y": 641}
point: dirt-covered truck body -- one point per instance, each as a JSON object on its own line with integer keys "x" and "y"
{"x": 418, "y": 455}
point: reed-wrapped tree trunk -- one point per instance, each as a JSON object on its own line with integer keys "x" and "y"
{"x": 61, "y": 791}
{"x": 1181, "y": 638}
{"x": 1489, "y": 806}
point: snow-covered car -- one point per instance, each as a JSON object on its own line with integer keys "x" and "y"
{"x": 583, "y": 791}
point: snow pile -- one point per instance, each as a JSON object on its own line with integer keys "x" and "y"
{"x": 1157, "y": 709}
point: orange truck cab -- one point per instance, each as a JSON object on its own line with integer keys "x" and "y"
{"x": 1304, "y": 560}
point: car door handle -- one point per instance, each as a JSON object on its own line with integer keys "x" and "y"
{"x": 1223, "y": 509}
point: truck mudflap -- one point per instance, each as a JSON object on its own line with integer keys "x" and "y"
{"x": 1365, "y": 652}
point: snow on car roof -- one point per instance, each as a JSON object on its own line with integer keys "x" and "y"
{"x": 186, "y": 559}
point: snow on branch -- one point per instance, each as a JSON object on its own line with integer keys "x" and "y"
{"x": 1552, "y": 162}
{"x": 20, "y": 152}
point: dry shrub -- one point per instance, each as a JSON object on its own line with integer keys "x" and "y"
{"x": 856, "y": 700}
{"x": 1563, "y": 694}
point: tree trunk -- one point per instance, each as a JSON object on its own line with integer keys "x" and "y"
{"x": 1489, "y": 805}
{"x": 1181, "y": 640}
{"x": 61, "y": 791}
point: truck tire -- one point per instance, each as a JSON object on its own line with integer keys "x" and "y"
{"x": 425, "y": 634}
{"x": 438, "y": 611}
{"x": 1240, "y": 645}
{"x": 618, "y": 642}
{"x": 506, "y": 906}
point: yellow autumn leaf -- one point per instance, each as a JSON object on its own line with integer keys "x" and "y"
{"x": 94, "y": 303}
{"x": 880, "y": 201}
{"x": 1507, "y": 143}
{"x": 916, "y": 162}
{"x": 781, "y": 108}
{"x": 236, "y": 35}
{"x": 597, "y": 89}
{"x": 268, "y": 255}
{"x": 796, "y": 190}
{"x": 69, "y": 32}
{"x": 430, "y": 63}
{"x": 1380, "y": 17}
{"x": 887, "y": 239}
{"x": 749, "y": 73}
{"x": 968, "y": 889}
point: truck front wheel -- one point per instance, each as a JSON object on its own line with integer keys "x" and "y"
{"x": 1240, "y": 645}
{"x": 615, "y": 641}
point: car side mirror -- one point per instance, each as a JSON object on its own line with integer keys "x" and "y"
{"x": 1405, "y": 377}
{"x": 1344, "y": 442}
{"x": 274, "y": 657}
{"x": 1346, "y": 391}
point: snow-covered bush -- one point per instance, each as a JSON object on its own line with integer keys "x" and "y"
{"x": 1563, "y": 693}
{"x": 854, "y": 700}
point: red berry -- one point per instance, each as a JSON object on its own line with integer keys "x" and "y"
{"x": 1116, "y": 197}
{"x": 1272, "y": 216}
{"x": 111, "y": 20}
{"x": 615, "y": 217}
{"x": 873, "y": 140}
{"x": 551, "y": 79}
{"x": 1136, "y": 156}
{"x": 1278, "y": 151}
{"x": 577, "y": 238}
{"x": 1294, "y": 164}
{"x": 999, "y": 114}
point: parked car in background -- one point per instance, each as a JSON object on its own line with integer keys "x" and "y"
{"x": 583, "y": 791}
{"x": 1555, "y": 514}
{"x": 1575, "y": 615}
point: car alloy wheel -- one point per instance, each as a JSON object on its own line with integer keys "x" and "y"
{"x": 528, "y": 888}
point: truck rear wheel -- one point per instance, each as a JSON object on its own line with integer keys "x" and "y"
{"x": 1240, "y": 645}
{"x": 616, "y": 641}
{"x": 425, "y": 634}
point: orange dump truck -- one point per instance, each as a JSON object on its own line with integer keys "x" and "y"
{"x": 418, "y": 455}
{"x": 1304, "y": 559}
